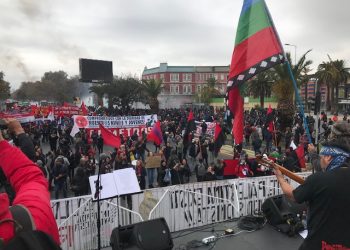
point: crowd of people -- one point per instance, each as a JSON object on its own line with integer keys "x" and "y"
{"x": 182, "y": 157}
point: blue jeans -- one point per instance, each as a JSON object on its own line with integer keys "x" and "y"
{"x": 150, "y": 175}
{"x": 60, "y": 186}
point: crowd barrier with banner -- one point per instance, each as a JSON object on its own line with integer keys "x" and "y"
{"x": 182, "y": 206}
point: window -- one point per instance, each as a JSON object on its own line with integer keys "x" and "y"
{"x": 174, "y": 89}
{"x": 201, "y": 77}
{"x": 198, "y": 88}
{"x": 222, "y": 77}
{"x": 187, "y": 89}
{"x": 174, "y": 77}
{"x": 161, "y": 76}
{"x": 187, "y": 77}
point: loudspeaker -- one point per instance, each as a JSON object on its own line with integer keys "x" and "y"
{"x": 146, "y": 235}
{"x": 278, "y": 209}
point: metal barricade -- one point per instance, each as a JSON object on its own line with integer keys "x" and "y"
{"x": 79, "y": 230}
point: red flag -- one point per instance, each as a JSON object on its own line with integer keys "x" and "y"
{"x": 84, "y": 110}
{"x": 66, "y": 104}
{"x": 301, "y": 155}
{"x": 257, "y": 48}
{"x": 235, "y": 104}
{"x": 269, "y": 119}
{"x": 156, "y": 134}
{"x": 109, "y": 138}
{"x": 190, "y": 116}
{"x": 34, "y": 109}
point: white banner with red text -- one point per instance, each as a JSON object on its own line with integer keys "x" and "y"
{"x": 125, "y": 125}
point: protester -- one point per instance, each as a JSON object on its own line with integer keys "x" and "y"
{"x": 30, "y": 186}
{"x": 327, "y": 194}
{"x": 152, "y": 162}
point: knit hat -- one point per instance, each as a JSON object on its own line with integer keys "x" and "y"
{"x": 340, "y": 136}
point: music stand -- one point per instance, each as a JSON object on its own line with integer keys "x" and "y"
{"x": 111, "y": 185}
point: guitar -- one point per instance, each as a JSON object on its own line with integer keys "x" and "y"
{"x": 271, "y": 164}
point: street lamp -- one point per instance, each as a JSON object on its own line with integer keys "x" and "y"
{"x": 295, "y": 52}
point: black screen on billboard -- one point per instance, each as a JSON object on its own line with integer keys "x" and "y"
{"x": 95, "y": 70}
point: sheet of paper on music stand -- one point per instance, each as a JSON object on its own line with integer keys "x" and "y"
{"x": 126, "y": 181}
{"x": 109, "y": 188}
{"x": 120, "y": 182}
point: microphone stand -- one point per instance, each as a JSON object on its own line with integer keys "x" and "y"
{"x": 97, "y": 196}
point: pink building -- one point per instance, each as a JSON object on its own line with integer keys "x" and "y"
{"x": 183, "y": 83}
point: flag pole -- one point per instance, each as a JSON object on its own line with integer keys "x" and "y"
{"x": 297, "y": 96}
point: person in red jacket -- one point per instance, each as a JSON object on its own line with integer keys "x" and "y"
{"x": 30, "y": 186}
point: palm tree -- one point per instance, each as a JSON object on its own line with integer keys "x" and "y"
{"x": 341, "y": 75}
{"x": 333, "y": 73}
{"x": 260, "y": 86}
{"x": 100, "y": 91}
{"x": 152, "y": 89}
{"x": 324, "y": 75}
{"x": 209, "y": 91}
{"x": 283, "y": 87}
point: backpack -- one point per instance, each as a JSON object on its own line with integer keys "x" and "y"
{"x": 26, "y": 237}
{"x": 167, "y": 176}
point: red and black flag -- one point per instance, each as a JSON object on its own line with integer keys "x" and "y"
{"x": 257, "y": 48}
{"x": 190, "y": 126}
{"x": 219, "y": 138}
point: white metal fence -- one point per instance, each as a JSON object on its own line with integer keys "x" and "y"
{"x": 182, "y": 206}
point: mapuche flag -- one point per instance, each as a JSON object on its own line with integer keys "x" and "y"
{"x": 156, "y": 134}
{"x": 257, "y": 48}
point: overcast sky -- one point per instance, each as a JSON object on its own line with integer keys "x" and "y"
{"x": 37, "y": 36}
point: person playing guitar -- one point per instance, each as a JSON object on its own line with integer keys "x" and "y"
{"x": 327, "y": 194}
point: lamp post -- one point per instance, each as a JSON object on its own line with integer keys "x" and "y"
{"x": 295, "y": 51}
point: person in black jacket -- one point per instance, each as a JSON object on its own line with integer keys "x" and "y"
{"x": 327, "y": 194}
{"x": 177, "y": 174}
{"x": 80, "y": 182}
{"x": 210, "y": 174}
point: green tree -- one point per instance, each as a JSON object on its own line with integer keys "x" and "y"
{"x": 324, "y": 75}
{"x": 283, "y": 86}
{"x": 332, "y": 73}
{"x": 4, "y": 87}
{"x": 341, "y": 76}
{"x": 122, "y": 92}
{"x": 152, "y": 88}
{"x": 260, "y": 86}
{"x": 209, "y": 91}
{"x": 53, "y": 86}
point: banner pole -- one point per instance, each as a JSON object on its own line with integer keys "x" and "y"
{"x": 301, "y": 106}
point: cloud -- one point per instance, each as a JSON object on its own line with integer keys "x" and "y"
{"x": 52, "y": 35}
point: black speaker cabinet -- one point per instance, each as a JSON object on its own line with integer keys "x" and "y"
{"x": 277, "y": 209}
{"x": 146, "y": 235}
